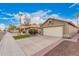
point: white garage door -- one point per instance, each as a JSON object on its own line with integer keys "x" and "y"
{"x": 53, "y": 31}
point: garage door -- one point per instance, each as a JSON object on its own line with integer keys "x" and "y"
{"x": 53, "y": 31}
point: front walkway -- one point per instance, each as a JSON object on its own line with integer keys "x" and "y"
{"x": 9, "y": 47}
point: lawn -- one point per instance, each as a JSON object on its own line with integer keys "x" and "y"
{"x": 21, "y": 36}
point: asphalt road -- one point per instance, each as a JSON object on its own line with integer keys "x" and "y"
{"x": 9, "y": 47}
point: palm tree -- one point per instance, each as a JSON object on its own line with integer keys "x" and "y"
{"x": 77, "y": 16}
{"x": 20, "y": 15}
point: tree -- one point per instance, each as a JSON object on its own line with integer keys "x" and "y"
{"x": 77, "y": 16}
{"x": 20, "y": 15}
{"x": 11, "y": 28}
{"x": 33, "y": 31}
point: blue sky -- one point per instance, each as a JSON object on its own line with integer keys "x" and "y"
{"x": 60, "y": 10}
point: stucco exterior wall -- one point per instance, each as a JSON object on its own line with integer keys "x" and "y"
{"x": 54, "y": 23}
{"x": 69, "y": 30}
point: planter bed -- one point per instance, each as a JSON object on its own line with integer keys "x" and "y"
{"x": 21, "y": 36}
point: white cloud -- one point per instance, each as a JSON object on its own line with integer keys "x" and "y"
{"x": 9, "y": 14}
{"x": 54, "y": 16}
{"x": 37, "y": 20}
{"x": 73, "y": 5}
{"x": 4, "y": 18}
{"x": 57, "y": 16}
{"x": 41, "y": 13}
{"x": 6, "y": 13}
{"x": 35, "y": 17}
{"x": 2, "y": 26}
{"x": 16, "y": 16}
{"x": 39, "y": 16}
{"x": 28, "y": 16}
{"x": 74, "y": 21}
{"x": 20, "y": 12}
{"x": 13, "y": 22}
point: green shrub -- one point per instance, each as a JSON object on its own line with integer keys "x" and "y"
{"x": 33, "y": 31}
{"x": 21, "y": 36}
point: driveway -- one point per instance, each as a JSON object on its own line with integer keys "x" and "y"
{"x": 38, "y": 45}
{"x": 66, "y": 48}
{"x": 69, "y": 47}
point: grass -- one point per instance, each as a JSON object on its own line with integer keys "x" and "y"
{"x": 21, "y": 36}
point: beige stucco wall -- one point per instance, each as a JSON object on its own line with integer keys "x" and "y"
{"x": 69, "y": 30}
{"x": 55, "y": 23}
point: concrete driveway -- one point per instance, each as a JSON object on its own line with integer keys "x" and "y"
{"x": 69, "y": 47}
{"x": 66, "y": 48}
{"x": 38, "y": 45}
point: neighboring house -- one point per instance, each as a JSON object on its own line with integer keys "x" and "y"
{"x": 59, "y": 28}
{"x": 35, "y": 26}
{"x": 26, "y": 27}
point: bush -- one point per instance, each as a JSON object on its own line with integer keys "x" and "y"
{"x": 21, "y": 36}
{"x": 33, "y": 31}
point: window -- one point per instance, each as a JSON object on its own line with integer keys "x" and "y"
{"x": 50, "y": 23}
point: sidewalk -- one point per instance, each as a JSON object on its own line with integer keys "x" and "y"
{"x": 1, "y": 35}
{"x": 9, "y": 47}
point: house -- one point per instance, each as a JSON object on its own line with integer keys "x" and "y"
{"x": 35, "y": 26}
{"x": 10, "y": 29}
{"x": 59, "y": 28}
{"x": 26, "y": 27}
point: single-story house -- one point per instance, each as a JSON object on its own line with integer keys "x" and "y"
{"x": 59, "y": 28}
{"x": 26, "y": 27}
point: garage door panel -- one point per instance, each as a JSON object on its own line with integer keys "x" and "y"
{"x": 54, "y": 31}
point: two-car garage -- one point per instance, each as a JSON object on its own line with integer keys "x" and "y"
{"x": 53, "y": 31}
